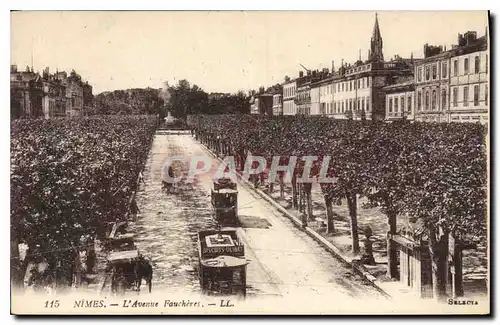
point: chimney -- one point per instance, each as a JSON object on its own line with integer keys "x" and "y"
{"x": 470, "y": 37}
{"x": 301, "y": 74}
{"x": 308, "y": 72}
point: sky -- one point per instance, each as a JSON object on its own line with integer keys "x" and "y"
{"x": 219, "y": 51}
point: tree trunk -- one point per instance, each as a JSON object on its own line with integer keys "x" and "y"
{"x": 457, "y": 263}
{"x": 15, "y": 263}
{"x": 282, "y": 187}
{"x": 330, "y": 227}
{"x": 294, "y": 192}
{"x": 308, "y": 197}
{"x": 352, "y": 205}
{"x": 392, "y": 262}
{"x": 438, "y": 247}
{"x": 91, "y": 255}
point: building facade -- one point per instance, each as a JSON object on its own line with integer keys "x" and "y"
{"x": 289, "y": 93}
{"x": 452, "y": 86}
{"x": 26, "y": 93}
{"x": 261, "y": 104}
{"x": 432, "y": 80}
{"x": 49, "y": 95}
{"x": 400, "y": 100}
{"x": 469, "y": 80}
{"x": 277, "y": 104}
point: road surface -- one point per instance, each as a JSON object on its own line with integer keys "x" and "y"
{"x": 283, "y": 260}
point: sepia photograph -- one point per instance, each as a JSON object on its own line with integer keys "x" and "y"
{"x": 250, "y": 162}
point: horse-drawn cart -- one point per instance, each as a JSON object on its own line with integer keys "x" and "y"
{"x": 127, "y": 269}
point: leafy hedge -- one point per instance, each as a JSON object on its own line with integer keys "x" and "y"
{"x": 69, "y": 177}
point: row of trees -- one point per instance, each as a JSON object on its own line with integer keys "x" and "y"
{"x": 436, "y": 173}
{"x": 180, "y": 100}
{"x": 69, "y": 179}
{"x": 127, "y": 102}
{"x": 184, "y": 99}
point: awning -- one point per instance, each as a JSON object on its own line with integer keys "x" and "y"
{"x": 224, "y": 261}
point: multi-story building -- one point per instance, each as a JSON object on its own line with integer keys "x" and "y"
{"x": 432, "y": 80}
{"x": 278, "y": 104}
{"x": 47, "y": 96}
{"x": 358, "y": 89}
{"x": 289, "y": 93}
{"x": 261, "y": 104}
{"x": 400, "y": 99}
{"x": 469, "y": 79}
{"x": 26, "y": 93}
{"x": 452, "y": 86}
{"x": 303, "y": 96}
{"x": 54, "y": 99}
{"x": 321, "y": 93}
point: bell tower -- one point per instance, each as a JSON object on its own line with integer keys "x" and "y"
{"x": 376, "y": 43}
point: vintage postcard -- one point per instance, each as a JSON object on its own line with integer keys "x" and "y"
{"x": 250, "y": 162}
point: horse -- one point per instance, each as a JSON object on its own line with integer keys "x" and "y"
{"x": 143, "y": 270}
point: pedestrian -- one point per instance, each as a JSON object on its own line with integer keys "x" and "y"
{"x": 134, "y": 209}
{"x": 141, "y": 178}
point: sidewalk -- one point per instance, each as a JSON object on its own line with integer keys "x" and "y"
{"x": 340, "y": 243}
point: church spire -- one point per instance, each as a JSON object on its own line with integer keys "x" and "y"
{"x": 376, "y": 43}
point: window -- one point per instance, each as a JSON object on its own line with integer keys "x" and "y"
{"x": 434, "y": 100}
{"x": 359, "y": 83}
{"x": 426, "y": 105}
{"x": 350, "y": 104}
{"x": 363, "y": 83}
{"x": 342, "y": 107}
{"x": 402, "y": 103}
{"x": 390, "y": 105}
{"x": 427, "y": 73}
{"x": 476, "y": 95}
{"x": 350, "y": 85}
{"x": 409, "y": 104}
{"x": 444, "y": 70}
{"x": 395, "y": 104}
{"x": 363, "y": 104}
{"x": 342, "y": 86}
{"x": 466, "y": 65}
{"x": 455, "y": 68}
{"x": 359, "y": 103}
{"x": 368, "y": 82}
{"x": 419, "y": 101}
{"x": 419, "y": 74}
{"x": 455, "y": 97}
{"x": 443, "y": 99}
{"x": 466, "y": 96}
{"x": 434, "y": 71}
{"x": 477, "y": 62}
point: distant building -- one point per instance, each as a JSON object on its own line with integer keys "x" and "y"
{"x": 469, "y": 79}
{"x": 303, "y": 95}
{"x": 358, "y": 89}
{"x": 289, "y": 93}
{"x": 261, "y": 104}
{"x": 49, "y": 95}
{"x": 278, "y": 104}
{"x": 26, "y": 93}
{"x": 452, "y": 86}
{"x": 400, "y": 99}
